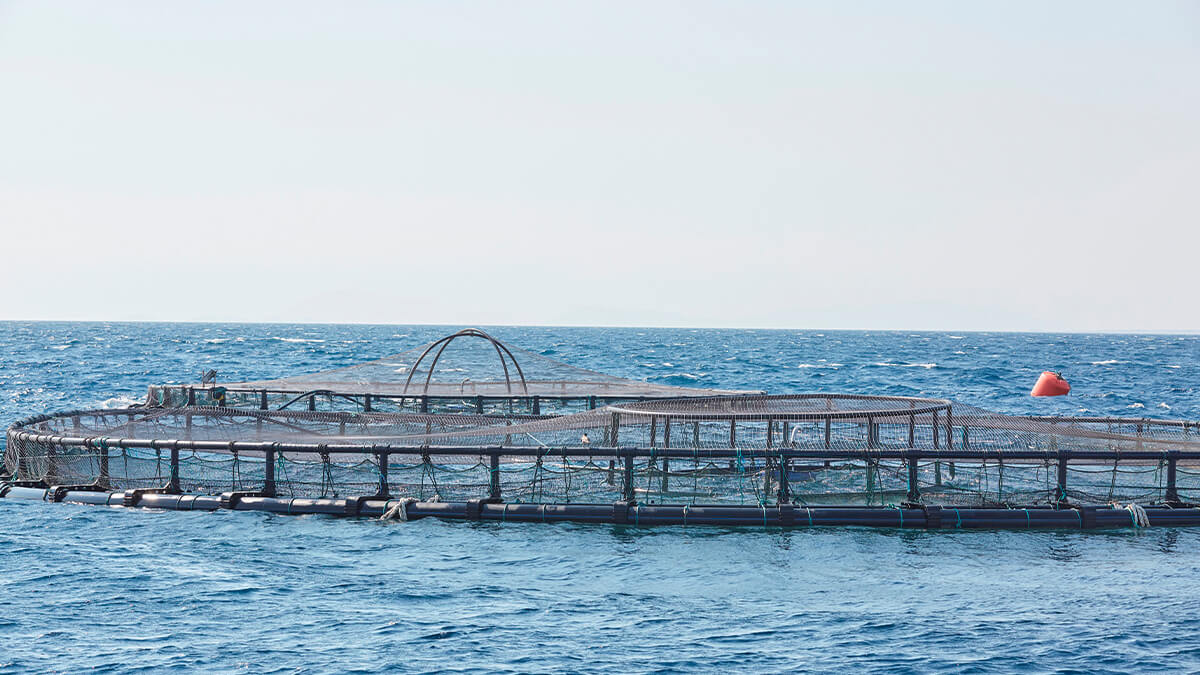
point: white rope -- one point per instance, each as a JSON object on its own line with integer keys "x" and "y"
{"x": 398, "y": 511}
{"x": 1138, "y": 515}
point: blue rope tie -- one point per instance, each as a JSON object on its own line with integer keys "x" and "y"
{"x": 958, "y": 518}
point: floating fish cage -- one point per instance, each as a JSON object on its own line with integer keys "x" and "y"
{"x": 548, "y": 444}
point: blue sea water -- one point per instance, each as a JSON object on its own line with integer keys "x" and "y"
{"x": 112, "y": 590}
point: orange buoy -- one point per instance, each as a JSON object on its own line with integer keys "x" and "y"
{"x": 1051, "y": 384}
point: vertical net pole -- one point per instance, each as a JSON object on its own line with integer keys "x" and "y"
{"x": 627, "y": 481}
{"x": 1061, "y": 497}
{"x": 494, "y": 478}
{"x": 384, "y": 490}
{"x": 268, "y": 488}
{"x": 173, "y": 483}
{"x": 914, "y": 486}
{"x": 1172, "y": 496}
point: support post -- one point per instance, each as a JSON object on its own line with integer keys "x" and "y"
{"x": 494, "y": 494}
{"x": 914, "y": 486}
{"x": 367, "y": 403}
{"x": 666, "y": 432}
{"x": 1061, "y": 497}
{"x": 537, "y": 404}
{"x": 733, "y": 433}
{"x": 766, "y": 477}
{"x": 627, "y": 480}
{"x": 828, "y": 433}
{"x": 785, "y": 496}
{"x": 268, "y": 489}
{"x": 173, "y": 482}
{"x": 385, "y": 490}
{"x": 616, "y": 428}
{"x": 424, "y": 404}
{"x": 1172, "y": 496}
{"x": 262, "y": 400}
{"x": 479, "y": 405}
{"x": 936, "y": 431}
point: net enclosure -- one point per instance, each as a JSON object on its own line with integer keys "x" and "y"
{"x": 396, "y": 438}
{"x": 759, "y": 458}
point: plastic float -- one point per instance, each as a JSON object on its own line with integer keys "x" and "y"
{"x": 1051, "y": 384}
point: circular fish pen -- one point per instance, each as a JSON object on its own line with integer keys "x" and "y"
{"x": 617, "y": 451}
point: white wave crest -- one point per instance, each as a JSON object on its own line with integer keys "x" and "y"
{"x": 119, "y": 402}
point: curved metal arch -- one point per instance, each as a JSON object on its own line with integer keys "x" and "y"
{"x": 500, "y": 347}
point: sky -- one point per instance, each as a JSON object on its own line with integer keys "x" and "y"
{"x": 875, "y": 165}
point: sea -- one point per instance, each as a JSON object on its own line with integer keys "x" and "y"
{"x": 110, "y": 590}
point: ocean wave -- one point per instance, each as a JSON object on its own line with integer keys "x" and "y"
{"x": 831, "y": 366}
{"x": 1164, "y": 405}
{"x": 286, "y": 339}
{"x": 677, "y": 378}
{"x": 904, "y": 365}
{"x": 119, "y": 402}
{"x": 1108, "y": 362}
{"x": 1136, "y": 405}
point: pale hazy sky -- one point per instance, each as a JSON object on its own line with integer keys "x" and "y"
{"x": 939, "y": 165}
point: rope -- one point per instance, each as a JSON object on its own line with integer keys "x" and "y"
{"x": 399, "y": 511}
{"x": 1138, "y": 515}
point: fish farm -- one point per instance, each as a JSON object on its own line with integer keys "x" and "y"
{"x": 471, "y": 428}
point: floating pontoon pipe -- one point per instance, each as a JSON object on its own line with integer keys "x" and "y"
{"x": 787, "y": 515}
